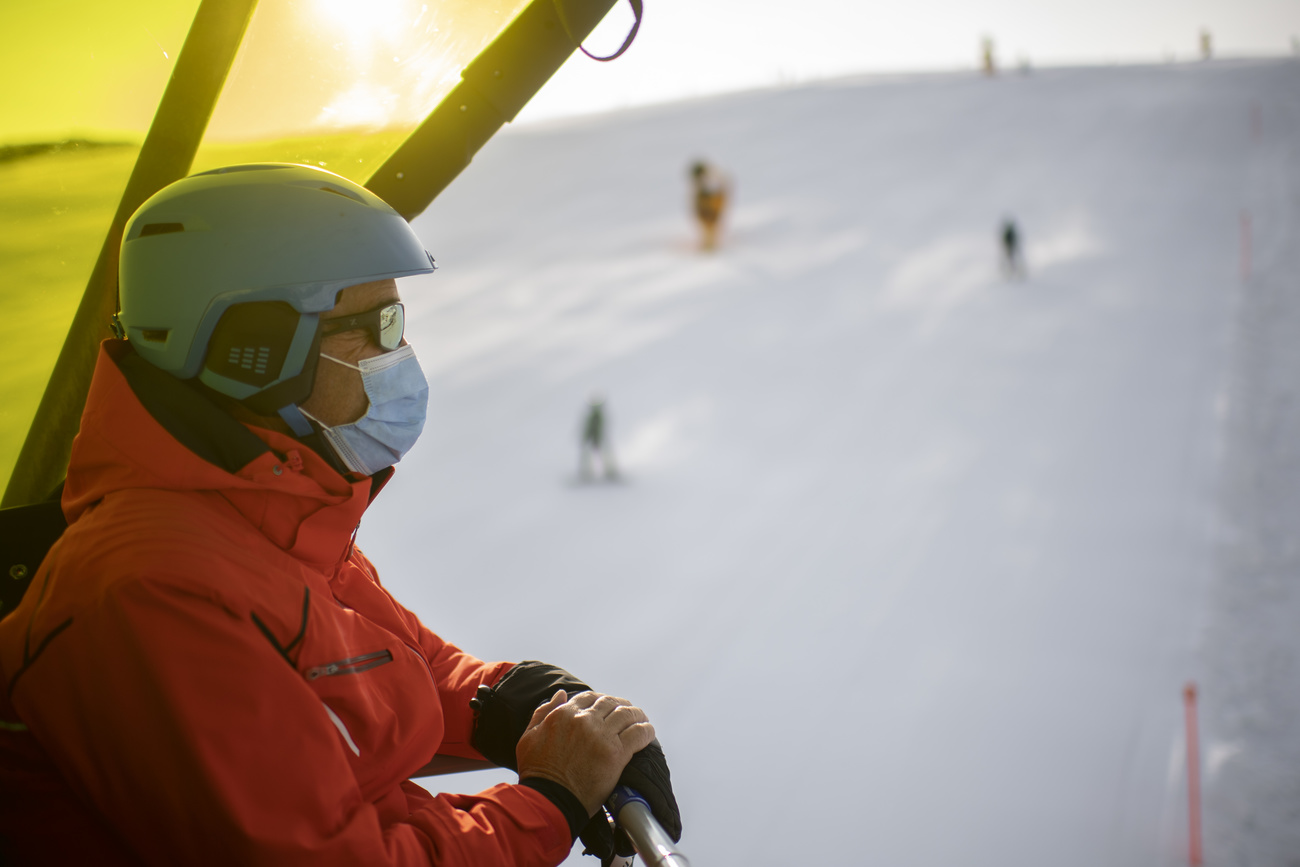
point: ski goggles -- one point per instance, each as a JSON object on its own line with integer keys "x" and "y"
{"x": 386, "y": 325}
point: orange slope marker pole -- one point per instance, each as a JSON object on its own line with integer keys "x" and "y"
{"x": 1194, "y": 857}
{"x": 1245, "y": 246}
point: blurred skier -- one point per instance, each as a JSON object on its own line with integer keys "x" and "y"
{"x": 710, "y": 190}
{"x": 1013, "y": 264}
{"x": 988, "y": 62}
{"x": 593, "y": 442}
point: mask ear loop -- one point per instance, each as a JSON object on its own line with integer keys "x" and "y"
{"x": 356, "y": 367}
{"x": 296, "y": 419}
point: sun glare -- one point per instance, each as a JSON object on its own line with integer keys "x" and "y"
{"x": 394, "y": 47}
{"x": 351, "y": 64}
{"x": 372, "y": 26}
{"x": 365, "y": 105}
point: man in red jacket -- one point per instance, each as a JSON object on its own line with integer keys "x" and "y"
{"x": 206, "y": 670}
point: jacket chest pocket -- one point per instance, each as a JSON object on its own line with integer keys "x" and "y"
{"x": 351, "y": 665}
{"x": 376, "y": 689}
{"x": 384, "y": 704}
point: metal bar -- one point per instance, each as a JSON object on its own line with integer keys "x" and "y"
{"x": 493, "y": 88}
{"x": 440, "y": 765}
{"x": 629, "y": 809}
{"x": 632, "y": 814}
{"x": 166, "y": 155}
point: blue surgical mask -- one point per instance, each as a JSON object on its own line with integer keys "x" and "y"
{"x": 399, "y": 398}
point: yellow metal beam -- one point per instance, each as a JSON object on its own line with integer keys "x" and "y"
{"x": 492, "y": 90}
{"x": 166, "y": 155}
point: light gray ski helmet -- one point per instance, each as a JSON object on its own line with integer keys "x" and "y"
{"x": 223, "y": 274}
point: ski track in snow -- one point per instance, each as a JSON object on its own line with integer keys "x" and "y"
{"x": 911, "y": 562}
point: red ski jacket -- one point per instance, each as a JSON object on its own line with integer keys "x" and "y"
{"x": 205, "y": 670}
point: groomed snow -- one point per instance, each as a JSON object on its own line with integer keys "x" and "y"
{"x": 911, "y": 562}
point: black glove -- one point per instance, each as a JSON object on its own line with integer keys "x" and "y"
{"x": 602, "y": 839}
{"x": 502, "y": 712}
{"x": 647, "y": 774}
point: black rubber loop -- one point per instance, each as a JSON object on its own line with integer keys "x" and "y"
{"x": 631, "y": 34}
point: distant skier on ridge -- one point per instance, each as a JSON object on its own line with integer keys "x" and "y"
{"x": 710, "y": 191}
{"x": 988, "y": 60}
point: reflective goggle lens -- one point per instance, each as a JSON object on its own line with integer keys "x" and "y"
{"x": 385, "y": 324}
{"x": 392, "y": 325}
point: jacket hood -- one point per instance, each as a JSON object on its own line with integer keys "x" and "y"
{"x": 143, "y": 428}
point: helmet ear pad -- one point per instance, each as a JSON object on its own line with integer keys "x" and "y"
{"x": 263, "y": 353}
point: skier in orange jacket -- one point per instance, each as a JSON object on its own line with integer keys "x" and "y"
{"x": 206, "y": 670}
{"x": 709, "y": 193}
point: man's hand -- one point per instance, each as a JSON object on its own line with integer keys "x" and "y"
{"x": 583, "y": 743}
{"x": 504, "y": 711}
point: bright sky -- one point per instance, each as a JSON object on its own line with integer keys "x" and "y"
{"x": 695, "y": 47}
{"x": 313, "y": 66}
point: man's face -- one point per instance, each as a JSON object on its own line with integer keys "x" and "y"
{"x": 338, "y": 396}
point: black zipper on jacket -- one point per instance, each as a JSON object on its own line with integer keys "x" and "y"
{"x": 283, "y": 650}
{"x": 352, "y": 665}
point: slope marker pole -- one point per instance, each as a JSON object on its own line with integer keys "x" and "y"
{"x": 1194, "y": 857}
{"x": 1245, "y": 246}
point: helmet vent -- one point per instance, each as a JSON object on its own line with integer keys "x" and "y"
{"x": 161, "y": 229}
{"x": 347, "y": 194}
{"x": 250, "y": 358}
{"x": 155, "y": 335}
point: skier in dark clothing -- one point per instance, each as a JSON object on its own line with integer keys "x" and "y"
{"x": 1012, "y": 263}
{"x": 593, "y": 442}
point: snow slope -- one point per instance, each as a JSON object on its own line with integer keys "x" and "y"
{"x": 912, "y": 562}
{"x": 1251, "y": 653}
